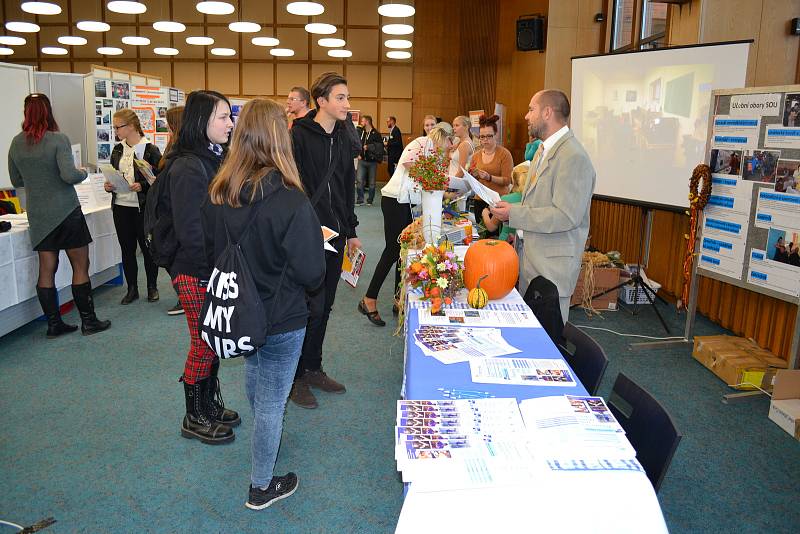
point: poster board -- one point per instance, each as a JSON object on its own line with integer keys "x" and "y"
{"x": 18, "y": 82}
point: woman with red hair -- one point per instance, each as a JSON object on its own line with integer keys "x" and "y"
{"x": 40, "y": 160}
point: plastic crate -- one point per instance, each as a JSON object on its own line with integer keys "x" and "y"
{"x": 629, "y": 294}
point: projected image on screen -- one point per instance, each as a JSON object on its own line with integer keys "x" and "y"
{"x": 643, "y": 117}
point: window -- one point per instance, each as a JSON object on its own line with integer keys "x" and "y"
{"x": 638, "y": 25}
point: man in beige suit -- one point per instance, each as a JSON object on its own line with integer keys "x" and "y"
{"x": 554, "y": 212}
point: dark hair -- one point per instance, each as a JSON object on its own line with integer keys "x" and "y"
{"x": 557, "y": 101}
{"x": 38, "y": 117}
{"x": 304, "y": 94}
{"x": 174, "y": 120}
{"x": 394, "y": 119}
{"x": 196, "y": 114}
{"x": 321, "y": 88}
{"x": 368, "y": 118}
{"x": 486, "y": 122}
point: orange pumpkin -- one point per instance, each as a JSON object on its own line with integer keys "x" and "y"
{"x": 497, "y": 261}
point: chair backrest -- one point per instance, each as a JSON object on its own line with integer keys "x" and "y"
{"x": 648, "y": 426}
{"x": 542, "y": 298}
{"x": 587, "y": 359}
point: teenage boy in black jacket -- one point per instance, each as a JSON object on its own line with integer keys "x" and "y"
{"x": 321, "y": 144}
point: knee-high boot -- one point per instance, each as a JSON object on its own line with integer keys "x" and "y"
{"x": 90, "y": 324}
{"x": 48, "y": 298}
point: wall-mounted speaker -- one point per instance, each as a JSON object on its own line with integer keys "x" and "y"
{"x": 530, "y": 33}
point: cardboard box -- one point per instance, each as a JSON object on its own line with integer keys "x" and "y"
{"x": 604, "y": 278}
{"x": 738, "y": 361}
{"x": 784, "y": 409}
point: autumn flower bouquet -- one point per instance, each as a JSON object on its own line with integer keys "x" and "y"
{"x": 438, "y": 271}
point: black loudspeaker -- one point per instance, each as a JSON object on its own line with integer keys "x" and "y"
{"x": 530, "y": 34}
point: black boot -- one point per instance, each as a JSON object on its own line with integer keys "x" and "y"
{"x": 90, "y": 324}
{"x": 130, "y": 296}
{"x": 216, "y": 408}
{"x": 197, "y": 424}
{"x": 48, "y": 298}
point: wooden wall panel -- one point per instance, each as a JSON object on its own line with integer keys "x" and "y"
{"x": 362, "y": 80}
{"x": 190, "y": 76}
{"x": 224, "y": 77}
{"x": 477, "y": 71}
{"x": 396, "y": 82}
{"x": 778, "y": 49}
{"x": 290, "y": 75}
{"x": 258, "y": 79}
{"x": 684, "y": 24}
{"x": 162, "y": 69}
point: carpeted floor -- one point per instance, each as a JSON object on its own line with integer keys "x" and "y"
{"x": 92, "y": 435}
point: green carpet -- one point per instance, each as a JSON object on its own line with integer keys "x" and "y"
{"x": 92, "y": 435}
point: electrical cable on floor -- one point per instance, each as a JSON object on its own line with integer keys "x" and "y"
{"x": 628, "y": 335}
{"x": 9, "y": 523}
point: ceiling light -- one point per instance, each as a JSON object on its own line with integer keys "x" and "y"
{"x": 12, "y": 40}
{"x": 244, "y": 27}
{"x": 72, "y": 40}
{"x": 223, "y": 51}
{"x": 321, "y": 28}
{"x": 282, "y": 52}
{"x": 93, "y": 26}
{"x": 398, "y": 29}
{"x": 109, "y": 51}
{"x": 126, "y": 7}
{"x": 398, "y": 54}
{"x": 306, "y": 9}
{"x": 135, "y": 40}
{"x": 265, "y": 41}
{"x": 331, "y": 42}
{"x": 22, "y": 27}
{"x": 215, "y": 8}
{"x": 397, "y": 43}
{"x": 340, "y": 53}
{"x": 54, "y": 50}
{"x": 199, "y": 41}
{"x": 165, "y": 51}
{"x": 5, "y": 51}
{"x": 168, "y": 26}
{"x": 41, "y": 8}
{"x": 396, "y": 10}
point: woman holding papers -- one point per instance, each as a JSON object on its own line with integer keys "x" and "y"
{"x": 40, "y": 160}
{"x": 492, "y": 164}
{"x": 257, "y": 201}
{"x": 137, "y": 159}
{"x": 396, "y": 216}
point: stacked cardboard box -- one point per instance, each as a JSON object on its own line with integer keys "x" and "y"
{"x": 604, "y": 279}
{"x": 738, "y": 361}
{"x": 785, "y": 406}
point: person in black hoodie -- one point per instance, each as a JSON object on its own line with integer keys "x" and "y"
{"x": 192, "y": 162}
{"x": 258, "y": 191}
{"x": 371, "y": 154}
{"x": 324, "y": 160}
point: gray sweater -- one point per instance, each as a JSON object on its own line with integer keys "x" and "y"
{"x": 47, "y": 172}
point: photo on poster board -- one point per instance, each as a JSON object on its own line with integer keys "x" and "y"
{"x": 787, "y": 178}
{"x": 162, "y": 112}
{"x": 161, "y": 141}
{"x": 120, "y": 104}
{"x": 760, "y": 165}
{"x": 781, "y": 244}
{"x": 99, "y": 120}
{"x": 173, "y": 95}
{"x": 726, "y": 161}
{"x": 103, "y": 151}
{"x": 147, "y": 117}
{"x": 101, "y": 88}
{"x": 161, "y": 125}
{"x": 120, "y": 90}
{"x": 103, "y": 136}
{"x": 107, "y": 118}
{"x": 98, "y": 108}
{"x": 107, "y": 103}
{"x": 791, "y": 110}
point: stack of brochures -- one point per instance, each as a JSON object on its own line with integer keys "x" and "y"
{"x": 452, "y": 344}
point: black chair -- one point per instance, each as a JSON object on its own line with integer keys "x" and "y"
{"x": 542, "y": 298}
{"x": 648, "y": 426}
{"x": 587, "y": 359}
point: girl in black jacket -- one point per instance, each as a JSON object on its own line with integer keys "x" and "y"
{"x": 258, "y": 189}
{"x": 371, "y": 155}
{"x": 128, "y": 206}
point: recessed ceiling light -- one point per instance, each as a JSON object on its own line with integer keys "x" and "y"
{"x": 398, "y": 54}
{"x": 223, "y": 51}
{"x": 396, "y": 10}
{"x": 41, "y": 8}
{"x": 5, "y": 51}
{"x": 397, "y": 43}
{"x": 165, "y": 51}
{"x": 215, "y": 8}
{"x": 135, "y": 40}
{"x": 244, "y": 27}
{"x": 306, "y": 9}
{"x": 12, "y": 40}
{"x": 54, "y": 50}
{"x": 199, "y": 41}
{"x": 22, "y": 27}
{"x": 321, "y": 28}
{"x": 282, "y": 52}
{"x": 398, "y": 29}
{"x": 93, "y": 26}
{"x": 169, "y": 26}
{"x": 127, "y": 7}
{"x": 109, "y": 50}
{"x": 72, "y": 40}
{"x": 265, "y": 41}
{"x": 340, "y": 53}
{"x": 331, "y": 42}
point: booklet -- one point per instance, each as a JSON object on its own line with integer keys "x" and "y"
{"x": 146, "y": 169}
{"x": 115, "y": 178}
{"x": 352, "y": 265}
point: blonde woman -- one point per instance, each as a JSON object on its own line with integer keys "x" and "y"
{"x": 463, "y": 148}
{"x": 128, "y": 206}
{"x": 257, "y": 200}
{"x": 427, "y": 124}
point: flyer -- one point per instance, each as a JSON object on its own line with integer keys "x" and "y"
{"x": 522, "y": 372}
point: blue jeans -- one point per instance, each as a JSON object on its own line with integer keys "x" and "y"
{"x": 269, "y": 376}
{"x": 365, "y": 179}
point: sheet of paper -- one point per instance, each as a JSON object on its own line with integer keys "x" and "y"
{"x": 774, "y": 275}
{"x": 458, "y": 183}
{"x": 522, "y": 372}
{"x": 76, "y": 155}
{"x": 488, "y": 195}
{"x": 735, "y": 132}
{"x": 115, "y": 178}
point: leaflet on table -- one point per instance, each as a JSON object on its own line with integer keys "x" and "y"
{"x": 735, "y": 132}
{"x": 91, "y": 193}
{"x": 522, "y": 371}
{"x": 775, "y": 275}
{"x": 506, "y": 408}
{"x": 352, "y": 264}
{"x": 458, "y": 344}
{"x": 489, "y": 196}
{"x": 777, "y": 209}
{"x": 115, "y": 178}
{"x": 469, "y": 317}
{"x": 778, "y": 136}
{"x": 565, "y": 463}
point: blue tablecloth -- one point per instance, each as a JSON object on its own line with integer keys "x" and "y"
{"x": 428, "y": 378}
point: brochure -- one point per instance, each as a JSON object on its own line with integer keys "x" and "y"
{"x": 522, "y": 372}
{"x": 352, "y": 265}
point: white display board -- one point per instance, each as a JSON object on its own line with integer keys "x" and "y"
{"x": 17, "y": 83}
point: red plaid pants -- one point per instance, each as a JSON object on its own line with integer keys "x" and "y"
{"x": 192, "y": 293}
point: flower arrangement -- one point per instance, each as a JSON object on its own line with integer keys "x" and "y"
{"x": 430, "y": 171}
{"x": 439, "y": 272}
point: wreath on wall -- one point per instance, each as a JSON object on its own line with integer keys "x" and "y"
{"x": 699, "y": 193}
